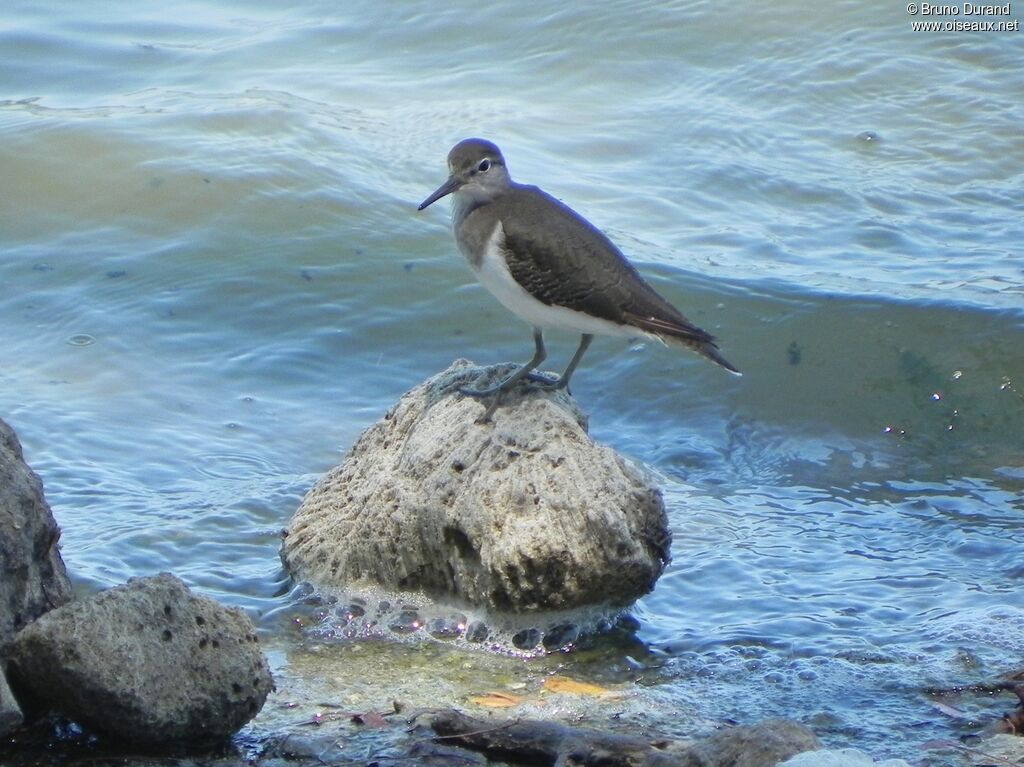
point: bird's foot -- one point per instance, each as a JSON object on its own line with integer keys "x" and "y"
{"x": 477, "y": 394}
{"x": 533, "y": 380}
{"x": 483, "y": 420}
{"x": 546, "y": 383}
{"x": 502, "y": 386}
{"x": 491, "y": 391}
{"x": 542, "y": 380}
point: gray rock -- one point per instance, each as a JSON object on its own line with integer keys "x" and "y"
{"x": 32, "y": 575}
{"x": 549, "y": 742}
{"x": 10, "y": 713}
{"x": 525, "y": 514}
{"x": 148, "y": 662}
{"x": 764, "y": 744}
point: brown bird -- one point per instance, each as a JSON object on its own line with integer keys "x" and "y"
{"x": 551, "y": 267}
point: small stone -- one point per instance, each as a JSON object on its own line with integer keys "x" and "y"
{"x": 526, "y": 639}
{"x": 477, "y": 631}
{"x": 446, "y": 627}
{"x": 148, "y": 662}
{"x": 406, "y": 622}
{"x": 764, "y": 744}
{"x": 561, "y": 636}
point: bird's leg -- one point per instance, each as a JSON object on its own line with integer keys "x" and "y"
{"x": 563, "y": 380}
{"x": 499, "y": 389}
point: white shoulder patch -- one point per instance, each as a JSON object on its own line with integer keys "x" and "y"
{"x": 494, "y": 273}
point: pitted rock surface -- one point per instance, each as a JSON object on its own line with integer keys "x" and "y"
{"x": 148, "y": 662}
{"x": 527, "y": 513}
{"x": 32, "y": 575}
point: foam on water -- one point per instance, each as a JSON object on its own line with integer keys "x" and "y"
{"x": 372, "y": 614}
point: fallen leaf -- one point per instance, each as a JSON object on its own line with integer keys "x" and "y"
{"x": 370, "y": 719}
{"x": 570, "y": 686}
{"x": 497, "y": 700}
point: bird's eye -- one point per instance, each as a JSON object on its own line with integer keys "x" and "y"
{"x": 484, "y": 166}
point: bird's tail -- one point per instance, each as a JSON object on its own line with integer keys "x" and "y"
{"x": 680, "y": 332}
{"x": 706, "y": 347}
{"x": 710, "y": 350}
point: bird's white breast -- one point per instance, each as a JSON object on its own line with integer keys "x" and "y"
{"x": 493, "y": 272}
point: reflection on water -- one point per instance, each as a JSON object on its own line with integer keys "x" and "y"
{"x": 215, "y": 277}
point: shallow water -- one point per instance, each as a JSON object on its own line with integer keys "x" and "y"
{"x": 214, "y": 278}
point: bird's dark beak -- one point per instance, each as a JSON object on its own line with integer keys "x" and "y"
{"x": 445, "y": 189}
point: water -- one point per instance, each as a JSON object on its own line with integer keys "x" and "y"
{"x": 214, "y": 278}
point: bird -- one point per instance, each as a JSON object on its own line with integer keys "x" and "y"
{"x": 551, "y": 267}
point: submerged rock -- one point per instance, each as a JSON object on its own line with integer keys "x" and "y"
{"x": 10, "y": 712}
{"x": 536, "y": 741}
{"x": 524, "y": 514}
{"x": 764, "y": 744}
{"x": 148, "y": 662}
{"x": 32, "y": 575}
{"x": 844, "y": 757}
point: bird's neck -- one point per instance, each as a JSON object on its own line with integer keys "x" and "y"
{"x": 462, "y": 205}
{"x": 465, "y": 201}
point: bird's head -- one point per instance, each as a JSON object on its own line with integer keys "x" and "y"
{"x": 476, "y": 171}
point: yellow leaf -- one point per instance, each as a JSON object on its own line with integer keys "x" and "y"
{"x": 572, "y": 687}
{"x": 496, "y": 700}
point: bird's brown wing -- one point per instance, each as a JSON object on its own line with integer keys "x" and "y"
{"x": 581, "y": 269}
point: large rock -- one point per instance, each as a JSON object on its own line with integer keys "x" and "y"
{"x": 32, "y": 575}
{"x": 148, "y": 662}
{"x": 524, "y": 514}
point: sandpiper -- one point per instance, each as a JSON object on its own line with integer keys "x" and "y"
{"x": 551, "y": 267}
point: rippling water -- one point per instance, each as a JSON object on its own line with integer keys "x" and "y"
{"x": 214, "y": 278}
